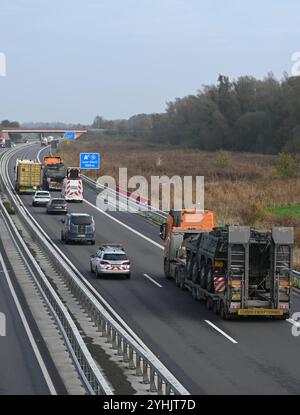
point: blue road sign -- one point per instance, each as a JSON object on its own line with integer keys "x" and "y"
{"x": 70, "y": 135}
{"x": 90, "y": 161}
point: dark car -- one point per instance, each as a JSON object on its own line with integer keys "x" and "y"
{"x": 78, "y": 227}
{"x": 57, "y": 205}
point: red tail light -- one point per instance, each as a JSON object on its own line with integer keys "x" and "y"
{"x": 104, "y": 262}
{"x": 126, "y": 263}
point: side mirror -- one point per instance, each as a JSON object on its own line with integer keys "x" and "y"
{"x": 163, "y": 231}
{"x": 92, "y": 256}
{"x": 63, "y": 221}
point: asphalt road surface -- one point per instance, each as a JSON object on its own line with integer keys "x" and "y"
{"x": 206, "y": 354}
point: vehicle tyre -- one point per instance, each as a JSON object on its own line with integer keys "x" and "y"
{"x": 215, "y": 307}
{"x": 194, "y": 294}
{"x": 182, "y": 281}
{"x": 128, "y": 276}
{"x": 189, "y": 268}
{"x": 223, "y": 312}
{"x": 98, "y": 275}
{"x": 208, "y": 303}
{"x": 210, "y": 279}
{"x": 195, "y": 273}
{"x": 167, "y": 269}
{"x": 62, "y": 237}
{"x": 177, "y": 278}
{"x": 203, "y": 275}
{"x": 91, "y": 268}
{"x": 93, "y": 242}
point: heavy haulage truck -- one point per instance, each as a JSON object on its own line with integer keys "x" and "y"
{"x": 236, "y": 270}
{"x": 53, "y": 173}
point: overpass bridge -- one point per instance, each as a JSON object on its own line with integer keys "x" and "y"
{"x": 45, "y": 131}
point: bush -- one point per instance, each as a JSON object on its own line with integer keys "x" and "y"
{"x": 286, "y": 165}
{"x": 258, "y": 213}
{"x": 9, "y": 208}
{"x": 223, "y": 159}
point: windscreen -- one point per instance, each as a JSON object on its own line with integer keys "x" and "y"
{"x": 115, "y": 257}
{"x": 81, "y": 220}
{"x": 43, "y": 195}
{"x": 58, "y": 201}
{"x": 73, "y": 174}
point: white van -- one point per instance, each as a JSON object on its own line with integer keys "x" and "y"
{"x": 72, "y": 190}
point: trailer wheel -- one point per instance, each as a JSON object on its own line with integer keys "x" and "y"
{"x": 189, "y": 268}
{"x": 210, "y": 279}
{"x": 223, "y": 312}
{"x": 181, "y": 281}
{"x": 203, "y": 275}
{"x": 167, "y": 269}
{"x": 195, "y": 274}
{"x": 177, "y": 278}
{"x": 208, "y": 303}
{"x": 215, "y": 307}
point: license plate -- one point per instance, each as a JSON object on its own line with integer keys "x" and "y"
{"x": 259, "y": 312}
{"x": 81, "y": 236}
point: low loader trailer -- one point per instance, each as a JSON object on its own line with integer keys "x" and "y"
{"x": 236, "y": 270}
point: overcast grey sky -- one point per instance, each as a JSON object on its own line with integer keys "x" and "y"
{"x": 70, "y": 60}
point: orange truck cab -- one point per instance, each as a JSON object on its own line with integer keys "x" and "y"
{"x": 179, "y": 225}
{"x": 48, "y": 160}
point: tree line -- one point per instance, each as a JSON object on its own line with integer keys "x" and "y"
{"x": 246, "y": 114}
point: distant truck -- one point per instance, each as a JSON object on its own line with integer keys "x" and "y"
{"x": 238, "y": 271}
{"x": 72, "y": 189}
{"x": 44, "y": 141}
{"x": 2, "y": 142}
{"x": 28, "y": 177}
{"x": 53, "y": 173}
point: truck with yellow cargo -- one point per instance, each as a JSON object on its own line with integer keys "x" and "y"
{"x": 28, "y": 176}
{"x": 237, "y": 271}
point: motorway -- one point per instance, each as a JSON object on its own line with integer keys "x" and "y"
{"x": 206, "y": 354}
{"x": 20, "y": 369}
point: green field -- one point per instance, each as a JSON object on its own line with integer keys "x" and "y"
{"x": 289, "y": 210}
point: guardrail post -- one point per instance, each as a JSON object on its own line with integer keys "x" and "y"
{"x": 125, "y": 354}
{"x": 131, "y": 361}
{"x": 138, "y": 370}
{"x": 109, "y": 335}
{"x": 120, "y": 350}
{"x": 145, "y": 373}
{"x": 159, "y": 385}
{"x": 103, "y": 328}
{"x": 152, "y": 381}
{"x": 114, "y": 339}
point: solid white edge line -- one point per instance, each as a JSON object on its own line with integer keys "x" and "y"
{"x": 99, "y": 297}
{"x": 113, "y": 218}
{"x": 221, "y": 331}
{"x": 28, "y": 331}
{"x": 124, "y": 225}
{"x": 151, "y": 279}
